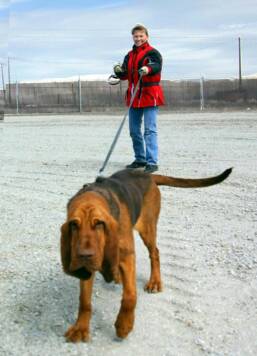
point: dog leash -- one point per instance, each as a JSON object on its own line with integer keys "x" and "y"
{"x": 119, "y": 129}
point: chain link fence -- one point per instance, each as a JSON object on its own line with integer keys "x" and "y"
{"x": 90, "y": 96}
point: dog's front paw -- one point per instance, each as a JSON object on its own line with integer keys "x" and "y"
{"x": 77, "y": 333}
{"x": 153, "y": 286}
{"x": 124, "y": 324}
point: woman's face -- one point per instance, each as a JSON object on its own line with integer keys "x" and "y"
{"x": 139, "y": 37}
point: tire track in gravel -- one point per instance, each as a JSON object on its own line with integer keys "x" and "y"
{"x": 180, "y": 276}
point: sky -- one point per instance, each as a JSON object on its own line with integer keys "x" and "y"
{"x": 47, "y": 38}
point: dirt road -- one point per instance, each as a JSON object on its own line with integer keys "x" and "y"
{"x": 207, "y": 238}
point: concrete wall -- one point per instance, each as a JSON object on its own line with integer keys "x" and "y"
{"x": 100, "y": 96}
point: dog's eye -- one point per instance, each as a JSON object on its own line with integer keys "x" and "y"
{"x": 98, "y": 224}
{"x": 73, "y": 225}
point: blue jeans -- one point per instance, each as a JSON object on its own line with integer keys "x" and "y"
{"x": 145, "y": 147}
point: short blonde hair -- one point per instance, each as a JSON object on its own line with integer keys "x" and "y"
{"x": 139, "y": 27}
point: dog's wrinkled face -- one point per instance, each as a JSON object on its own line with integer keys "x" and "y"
{"x": 86, "y": 241}
{"x": 87, "y": 230}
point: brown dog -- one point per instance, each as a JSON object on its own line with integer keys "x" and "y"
{"x": 98, "y": 236}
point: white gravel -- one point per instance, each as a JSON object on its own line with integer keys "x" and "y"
{"x": 207, "y": 237}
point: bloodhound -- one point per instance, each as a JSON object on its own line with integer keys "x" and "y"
{"x": 98, "y": 236}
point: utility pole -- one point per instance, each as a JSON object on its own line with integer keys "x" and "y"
{"x": 9, "y": 81}
{"x": 80, "y": 96}
{"x": 239, "y": 64}
{"x": 17, "y": 97}
{"x": 202, "y": 93}
{"x": 2, "y": 71}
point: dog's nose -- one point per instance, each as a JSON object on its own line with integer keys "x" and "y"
{"x": 86, "y": 253}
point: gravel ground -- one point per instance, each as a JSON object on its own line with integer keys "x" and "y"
{"x": 207, "y": 237}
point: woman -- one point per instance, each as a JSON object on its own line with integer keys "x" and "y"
{"x": 144, "y": 62}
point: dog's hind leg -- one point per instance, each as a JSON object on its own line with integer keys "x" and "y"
{"x": 154, "y": 284}
{"x": 147, "y": 228}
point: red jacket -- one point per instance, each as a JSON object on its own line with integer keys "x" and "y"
{"x": 150, "y": 92}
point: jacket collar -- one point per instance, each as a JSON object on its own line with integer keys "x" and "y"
{"x": 140, "y": 48}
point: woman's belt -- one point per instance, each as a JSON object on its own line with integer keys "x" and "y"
{"x": 149, "y": 84}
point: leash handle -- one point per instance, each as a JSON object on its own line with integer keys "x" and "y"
{"x": 113, "y": 79}
{"x": 120, "y": 128}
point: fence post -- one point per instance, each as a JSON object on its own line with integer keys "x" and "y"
{"x": 80, "y": 101}
{"x": 17, "y": 97}
{"x": 201, "y": 94}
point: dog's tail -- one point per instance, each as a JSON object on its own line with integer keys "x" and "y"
{"x": 190, "y": 183}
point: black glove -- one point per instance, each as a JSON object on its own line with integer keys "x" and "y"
{"x": 117, "y": 68}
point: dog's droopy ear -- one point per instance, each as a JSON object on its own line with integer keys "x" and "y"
{"x": 66, "y": 236}
{"x": 110, "y": 268}
{"x": 65, "y": 246}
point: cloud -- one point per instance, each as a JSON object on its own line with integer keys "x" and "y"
{"x": 12, "y": 2}
{"x": 242, "y": 29}
{"x": 190, "y": 54}
{"x": 4, "y": 4}
{"x": 190, "y": 36}
{"x": 4, "y": 32}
